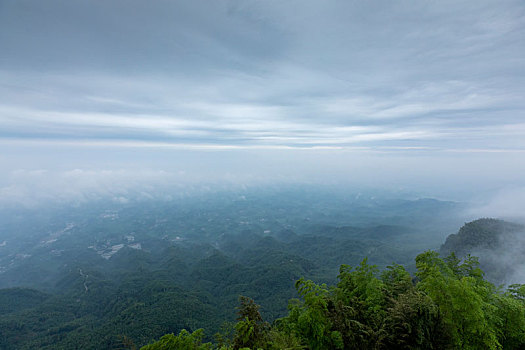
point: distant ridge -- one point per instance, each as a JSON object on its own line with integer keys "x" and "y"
{"x": 499, "y": 244}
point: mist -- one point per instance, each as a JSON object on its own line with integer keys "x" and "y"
{"x": 72, "y": 171}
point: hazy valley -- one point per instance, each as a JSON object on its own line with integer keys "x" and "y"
{"x": 87, "y": 275}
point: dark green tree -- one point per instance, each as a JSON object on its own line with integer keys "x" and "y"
{"x": 250, "y": 331}
{"x": 184, "y": 341}
{"x": 463, "y": 298}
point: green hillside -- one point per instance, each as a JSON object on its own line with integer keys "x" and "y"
{"x": 448, "y": 305}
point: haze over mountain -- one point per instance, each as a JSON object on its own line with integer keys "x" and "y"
{"x": 158, "y": 159}
{"x": 500, "y": 246}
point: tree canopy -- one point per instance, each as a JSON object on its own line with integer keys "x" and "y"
{"x": 447, "y": 305}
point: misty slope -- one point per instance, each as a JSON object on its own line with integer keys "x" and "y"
{"x": 144, "y": 294}
{"x": 500, "y": 246}
{"x": 99, "y": 271}
{"x": 37, "y": 246}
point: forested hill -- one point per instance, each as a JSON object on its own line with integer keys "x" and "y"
{"x": 142, "y": 294}
{"x": 139, "y": 296}
{"x": 447, "y": 304}
{"x": 450, "y": 306}
{"x": 500, "y": 246}
{"x": 104, "y": 274}
{"x": 483, "y": 233}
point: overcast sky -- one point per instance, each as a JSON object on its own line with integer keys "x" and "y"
{"x": 429, "y": 94}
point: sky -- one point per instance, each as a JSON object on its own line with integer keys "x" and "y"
{"x": 100, "y": 95}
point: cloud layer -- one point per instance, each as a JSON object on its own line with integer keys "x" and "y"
{"x": 392, "y": 93}
{"x": 265, "y": 74}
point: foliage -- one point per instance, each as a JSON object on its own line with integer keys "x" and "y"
{"x": 137, "y": 296}
{"x": 250, "y": 331}
{"x": 183, "y": 341}
{"x": 447, "y": 305}
{"x": 464, "y": 298}
{"x": 366, "y": 311}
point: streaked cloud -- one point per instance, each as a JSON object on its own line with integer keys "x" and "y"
{"x": 400, "y": 78}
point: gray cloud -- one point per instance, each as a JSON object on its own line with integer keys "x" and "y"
{"x": 386, "y": 85}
